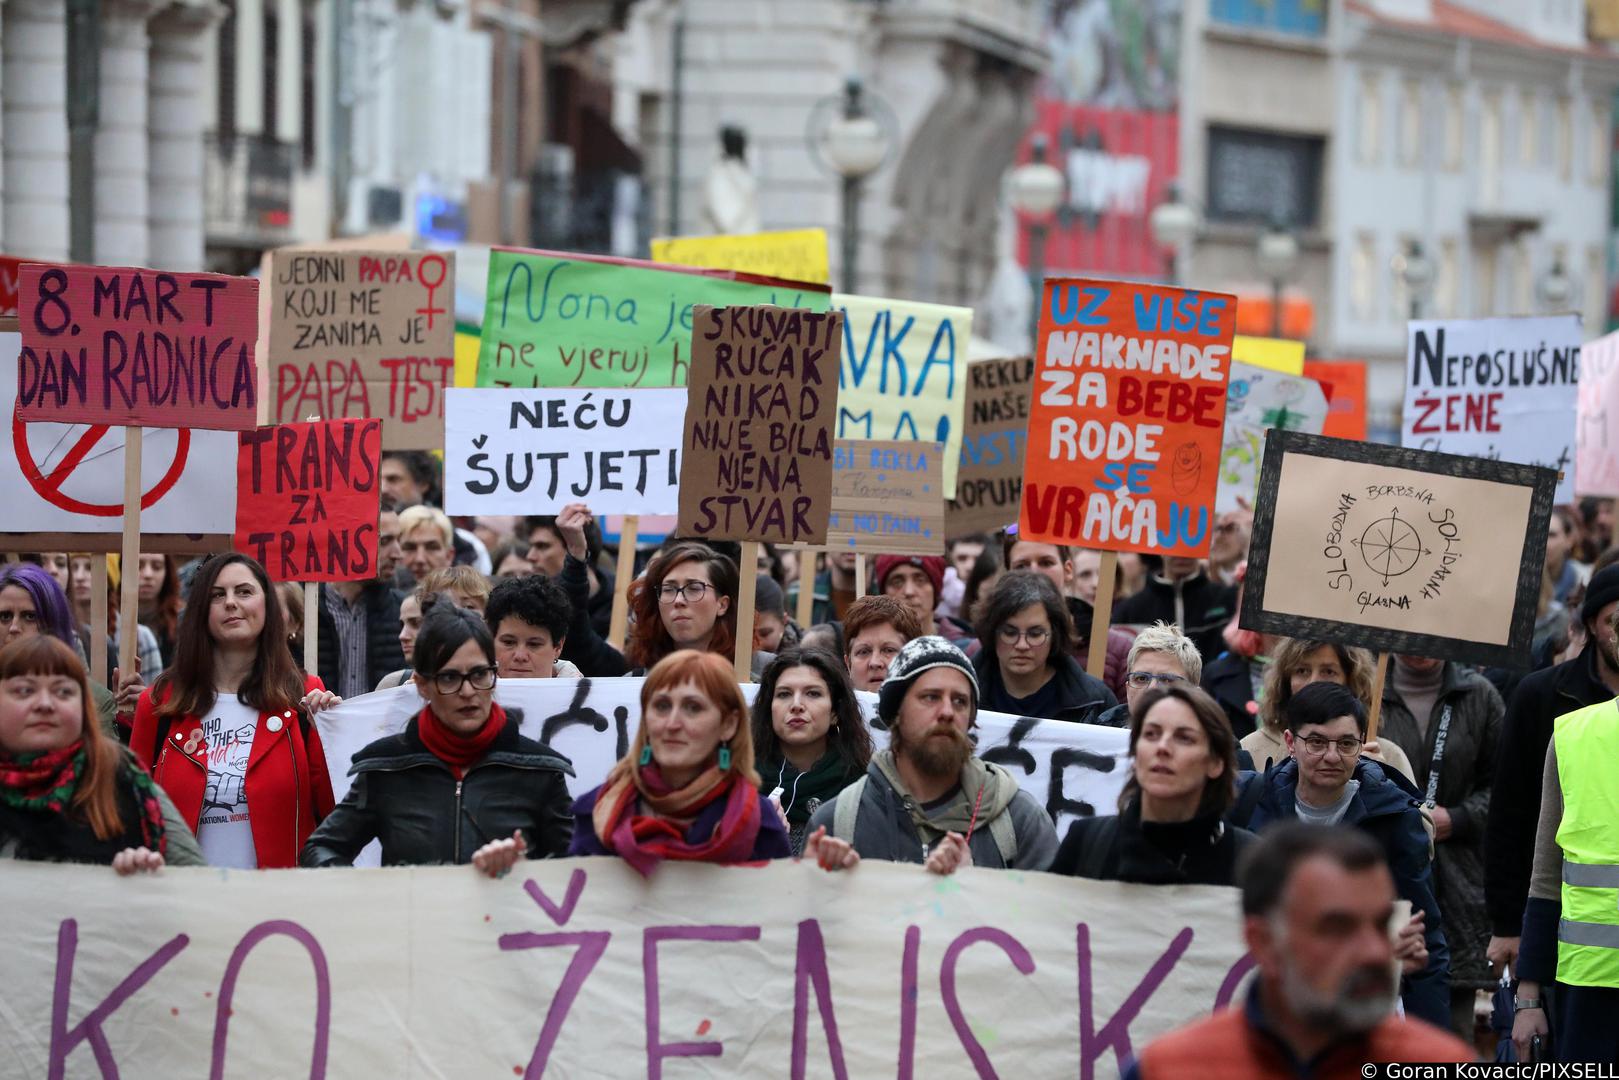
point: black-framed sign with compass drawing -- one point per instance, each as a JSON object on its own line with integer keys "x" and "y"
{"x": 1397, "y": 550}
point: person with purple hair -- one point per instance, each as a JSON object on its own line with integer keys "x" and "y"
{"x": 31, "y": 602}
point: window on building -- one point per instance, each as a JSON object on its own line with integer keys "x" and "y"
{"x": 1596, "y": 288}
{"x": 1485, "y": 260}
{"x": 1521, "y": 273}
{"x": 1257, "y": 177}
{"x": 1526, "y": 129}
{"x": 225, "y": 73}
{"x": 1565, "y": 139}
{"x": 1447, "y": 281}
{"x": 1304, "y": 17}
{"x": 1363, "y": 277}
{"x": 271, "y": 70}
{"x": 1399, "y": 292}
{"x": 308, "y": 58}
{"x": 1597, "y": 143}
{"x": 1489, "y": 148}
{"x": 1455, "y": 112}
{"x": 1410, "y": 123}
{"x": 1370, "y": 129}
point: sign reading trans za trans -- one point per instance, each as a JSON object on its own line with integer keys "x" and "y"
{"x": 1127, "y": 415}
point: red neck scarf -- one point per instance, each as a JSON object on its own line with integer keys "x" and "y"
{"x": 459, "y": 752}
{"x": 642, "y": 820}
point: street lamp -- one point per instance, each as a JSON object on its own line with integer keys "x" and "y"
{"x": 1173, "y": 223}
{"x": 1555, "y": 287}
{"x": 1035, "y": 190}
{"x": 1278, "y": 255}
{"x": 1416, "y": 272}
{"x": 853, "y": 144}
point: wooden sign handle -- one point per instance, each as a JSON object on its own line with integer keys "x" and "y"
{"x": 806, "y": 586}
{"x": 859, "y": 574}
{"x": 629, "y": 534}
{"x": 747, "y": 585}
{"x": 98, "y": 616}
{"x": 130, "y": 581}
{"x": 1102, "y": 614}
{"x": 312, "y": 628}
{"x": 1379, "y": 674}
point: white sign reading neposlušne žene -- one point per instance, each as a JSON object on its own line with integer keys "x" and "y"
{"x": 1495, "y": 388}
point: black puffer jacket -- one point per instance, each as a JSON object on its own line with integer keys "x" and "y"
{"x": 1081, "y": 698}
{"x": 406, "y": 797}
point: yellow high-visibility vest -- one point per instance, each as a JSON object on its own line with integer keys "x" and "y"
{"x": 1587, "y": 744}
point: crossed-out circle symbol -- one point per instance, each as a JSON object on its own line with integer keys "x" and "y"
{"x": 49, "y": 485}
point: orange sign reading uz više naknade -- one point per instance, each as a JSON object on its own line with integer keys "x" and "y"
{"x": 1126, "y": 417}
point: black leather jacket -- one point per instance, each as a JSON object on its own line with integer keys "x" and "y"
{"x": 407, "y": 798}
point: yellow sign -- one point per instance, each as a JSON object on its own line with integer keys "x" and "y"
{"x": 466, "y": 358}
{"x": 798, "y": 255}
{"x": 1277, "y": 354}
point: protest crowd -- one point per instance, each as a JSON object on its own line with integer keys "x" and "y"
{"x": 1422, "y": 847}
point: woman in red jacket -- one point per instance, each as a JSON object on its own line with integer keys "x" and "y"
{"x": 226, "y": 730}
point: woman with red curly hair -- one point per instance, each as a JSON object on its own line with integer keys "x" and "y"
{"x": 687, "y": 789}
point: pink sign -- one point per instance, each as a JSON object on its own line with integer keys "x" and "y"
{"x": 124, "y": 345}
{"x": 1596, "y": 438}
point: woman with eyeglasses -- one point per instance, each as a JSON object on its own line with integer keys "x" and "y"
{"x": 1170, "y": 828}
{"x": 1160, "y": 657}
{"x": 687, "y": 789}
{"x": 228, "y": 730}
{"x": 460, "y": 784}
{"x": 1026, "y": 666}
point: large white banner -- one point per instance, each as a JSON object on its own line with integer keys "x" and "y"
{"x": 70, "y": 477}
{"x": 580, "y": 968}
{"x": 1073, "y": 770}
{"x": 535, "y": 451}
{"x": 1495, "y": 388}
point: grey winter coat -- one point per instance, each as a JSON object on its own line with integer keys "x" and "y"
{"x": 1466, "y": 774}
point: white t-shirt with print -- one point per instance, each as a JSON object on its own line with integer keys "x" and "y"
{"x": 224, "y": 831}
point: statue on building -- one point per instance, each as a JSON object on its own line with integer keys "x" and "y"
{"x": 1008, "y": 301}
{"x": 731, "y": 192}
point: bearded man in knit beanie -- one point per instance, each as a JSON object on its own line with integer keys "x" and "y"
{"x": 1590, "y": 678}
{"x": 929, "y": 798}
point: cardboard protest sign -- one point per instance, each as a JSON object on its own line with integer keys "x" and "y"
{"x": 1073, "y": 770}
{"x": 1495, "y": 388}
{"x": 582, "y": 967}
{"x": 307, "y": 497}
{"x": 795, "y": 255}
{"x": 1344, "y": 383}
{"x": 69, "y": 478}
{"x": 1277, "y": 354}
{"x": 989, "y": 476}
{"x": 536, "y": 451}
{"x": 1398, "y": 550}
{"x": 1258, "y": 400}
{"x": 1596, "y": 442}
{"x": 1127, "y": 417}
{"x": 123, "y": 345}
{"x": 364, "y": 333}
{"x": 904, "y": 373}
{"x": 561, "y": 319}
{"x": 886, "y": 497}
{"x": 10, "y": 269}
{"x": 757, "y": 461}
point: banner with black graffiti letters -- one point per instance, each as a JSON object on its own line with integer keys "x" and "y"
{"x": 579, "y": 967}
{"x": 536, "y": 451}
{"x": 1073, "y": 770}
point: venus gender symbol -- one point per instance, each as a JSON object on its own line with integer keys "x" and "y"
{"x": 1390, "y": 546}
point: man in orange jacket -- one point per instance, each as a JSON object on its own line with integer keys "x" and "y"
{"x": 1316, "y": 904}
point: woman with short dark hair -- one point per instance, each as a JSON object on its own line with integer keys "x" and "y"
{"x": 1170, "y": 828}
{"x": 808, "y": 733}
{"x": 1025, "y": 666}
{"x": 460, "y": 784}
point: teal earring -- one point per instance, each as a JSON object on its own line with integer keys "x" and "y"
{"x": 646, "y": 755}
{"x": 725, "y": 758}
